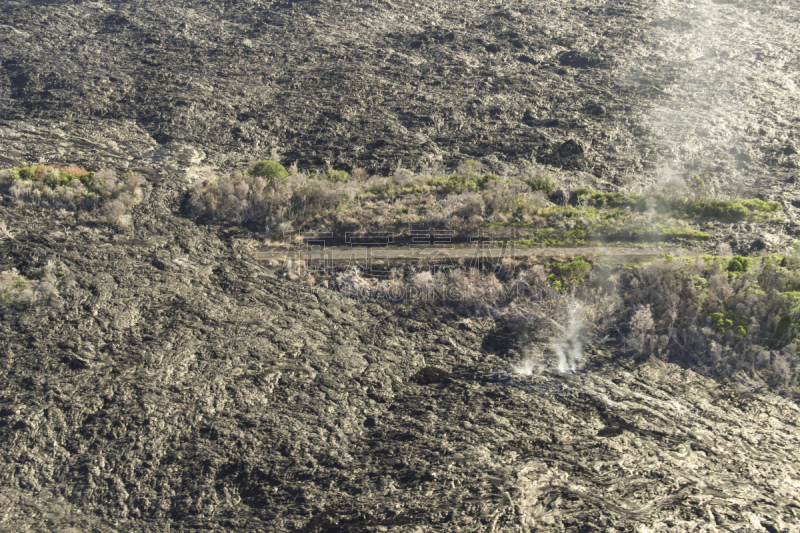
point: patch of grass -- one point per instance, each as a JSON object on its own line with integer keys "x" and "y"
{"x": 685, "y": 233}
{"x": 545, "y": 184}
{"x": 722, "y": 210}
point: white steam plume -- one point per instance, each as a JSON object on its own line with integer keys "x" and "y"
{"x": 566, "y": 345}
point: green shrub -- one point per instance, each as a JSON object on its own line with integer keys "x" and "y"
{"x": 699, "y": 281}
{"x": 545, "y": 184}
{"x": 554, "y": 282}
{"x": 575, "y": 271}
{"x": 270, "y": 170}
{"x": 756, "y": 204}
{"x": 27, "y": 173}
{"x": 75, "y": 188}
{"x": 571, "y": 273}
{"x": 739, "y": 264}
{"x": 337, "y": 176}
{"x": 720, "y": 322}
{"x": 724, "y": 210}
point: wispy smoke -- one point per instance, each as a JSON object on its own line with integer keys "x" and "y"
{"x": 528, "y": 364}
{"x": 566, "y": 342}
{"x": 569, "y": 352}
{"x": 569, "y": 349}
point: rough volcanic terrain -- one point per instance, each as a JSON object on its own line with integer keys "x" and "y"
{"x": 177, "y": 384}
{"x": 624, "y": 90}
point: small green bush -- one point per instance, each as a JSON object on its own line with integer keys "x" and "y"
{"x": 554, "y": 282}
{"x": 27, "y": 173}
{"x": 337, "y": 176}
{"x": 699, "y": 282}
{"x": 720, "y": 322}
{"x": 571, "y": 273}
{"x": 270, "y": 170}
{"x": 739, "y": 264}
{"x": 545, "y": 184}
{"x": 756, "y": 204}
{"x": 575, "y": 271}
{"x": 724, "y": 210}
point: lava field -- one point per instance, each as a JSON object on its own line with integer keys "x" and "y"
{"x": 176, "y": 384}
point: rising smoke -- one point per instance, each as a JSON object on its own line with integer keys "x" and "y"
{"x": 562, "y": 337}
{"x": 569, "y": 349}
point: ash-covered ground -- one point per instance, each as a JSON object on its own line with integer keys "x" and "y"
{"x": 176, "y": 383}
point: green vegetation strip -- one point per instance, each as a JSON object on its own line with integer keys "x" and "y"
{"x": 466, "y": 202}
{"x": 74, "y": 188}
